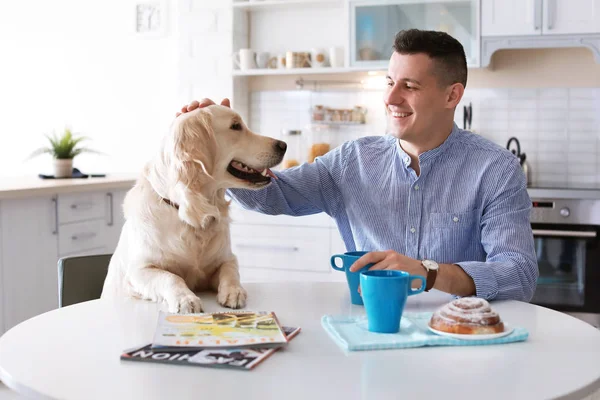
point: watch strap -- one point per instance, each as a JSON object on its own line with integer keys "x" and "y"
{"x": 431, "y": 275}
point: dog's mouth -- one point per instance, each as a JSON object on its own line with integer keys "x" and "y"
{"x": 248, "y": 174}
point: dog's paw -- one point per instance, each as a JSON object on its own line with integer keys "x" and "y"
{"x": 232, "y": 296}
{"x": 185, "y": 303}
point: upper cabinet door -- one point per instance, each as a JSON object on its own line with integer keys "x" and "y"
{"x": 511, "y": 17}
{"x": 571, "y": 16}
{"x": 374, "y": 24}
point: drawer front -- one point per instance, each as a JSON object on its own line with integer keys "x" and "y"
{"x": 81, "y": 206}
{"x": 277, "y": 247}
{"x": 242, "y": 216}
{"x": 81, "y": 236}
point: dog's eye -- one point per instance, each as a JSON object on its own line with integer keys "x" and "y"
{"x": 236, "y": 126}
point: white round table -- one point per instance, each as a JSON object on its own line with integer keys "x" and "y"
{"x": 73, "y": 353}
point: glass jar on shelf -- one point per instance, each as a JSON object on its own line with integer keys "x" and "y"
{"x": 294, "y": 155}
{"x": 319, "y": 141}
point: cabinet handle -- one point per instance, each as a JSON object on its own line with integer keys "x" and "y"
{"x": 83, "y": 236}
{"x": 81, "y": 206}
{"x": 269, "y": 247}
{"x": 110, "y": 204}
{"x": 55, "y": 204}
{"x": 574, "y": 234}
{"x": 551, "y": 13}
{"x": 537, "y": 14}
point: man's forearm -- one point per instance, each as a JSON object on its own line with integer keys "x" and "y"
{"x": 453, "y": 279}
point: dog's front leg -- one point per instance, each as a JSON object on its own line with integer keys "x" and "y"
{"x": 156, "y": 284}
{"x": 226, "y": 281}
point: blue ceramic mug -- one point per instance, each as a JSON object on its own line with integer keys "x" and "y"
{"x": 384, "y": 293}
{"x": 353, "y": 278}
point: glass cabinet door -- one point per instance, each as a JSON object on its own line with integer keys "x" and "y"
{"x": 373, "y": 25}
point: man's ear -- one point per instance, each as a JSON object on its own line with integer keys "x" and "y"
{"x": 454, "y": 94}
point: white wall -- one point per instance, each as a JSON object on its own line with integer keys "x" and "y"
{"x": 81, "y": 63}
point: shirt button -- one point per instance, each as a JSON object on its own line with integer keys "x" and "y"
{"x": 455, "y": 219}
{"x": 406, "y": 159}
{"x": 416, "y": 187}
{"x": 412, "y": 230}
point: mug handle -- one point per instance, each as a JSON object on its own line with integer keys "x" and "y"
{"x": 333, "y": 262}
{"x": 236, "y": 60}
{"x": 419, "y": 290}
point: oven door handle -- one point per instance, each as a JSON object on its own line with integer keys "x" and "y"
{"x": 576, "y": 234}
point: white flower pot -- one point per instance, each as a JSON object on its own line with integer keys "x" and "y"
{"x": 63, "y": 168}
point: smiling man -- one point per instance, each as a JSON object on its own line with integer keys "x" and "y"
{"x": 427, "y": 198}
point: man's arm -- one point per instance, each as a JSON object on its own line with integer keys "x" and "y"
{"x": 310, "y": 188}
{"x": 510, "y": 270}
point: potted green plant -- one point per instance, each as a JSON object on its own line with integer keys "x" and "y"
{"x": 63, "y": 149}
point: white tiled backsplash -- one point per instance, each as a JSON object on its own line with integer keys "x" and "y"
{"x": 558, "y": 129}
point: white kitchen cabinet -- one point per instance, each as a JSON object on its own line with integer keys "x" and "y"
{"x": 511, "y": 17}
{"x": 115, "y": 218}
{"x": 90, "y": 223}
{"x": 374, "y": 24}
{"x": 29, "y": 255}
{"x": 281, "y": 248}
{"x": 571, "y": 16}
{"x": 539, "y": 24}
{"x": 35, "y": 232}
{"x": 539, "y": 17}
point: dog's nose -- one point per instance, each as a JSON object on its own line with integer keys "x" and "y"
{"x": 281, "y": 146}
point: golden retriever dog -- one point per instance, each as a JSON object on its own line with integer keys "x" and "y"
{"x": 175, "y": 240}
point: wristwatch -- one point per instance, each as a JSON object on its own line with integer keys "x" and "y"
{"x": 432, "y": 270}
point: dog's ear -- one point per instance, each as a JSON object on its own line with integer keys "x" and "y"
{"x": 195, "y": 153}
{"x": 195, "y": 146}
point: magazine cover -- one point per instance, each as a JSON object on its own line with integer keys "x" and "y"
{"x": 242, "y": 359}
{"x": 235, "y": 329}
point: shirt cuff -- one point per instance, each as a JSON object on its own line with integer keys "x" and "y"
{"x": 486, "y": 284}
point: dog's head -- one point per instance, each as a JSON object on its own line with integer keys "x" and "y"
{"x": 214, "y": 143}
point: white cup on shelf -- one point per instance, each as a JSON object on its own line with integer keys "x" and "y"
{"x": 336, "y": 57}
{"x": 262, "y": 59}
{"x": 318, "y": 58}
{"x": 245, "y": 59}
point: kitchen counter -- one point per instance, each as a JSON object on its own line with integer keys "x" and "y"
{"x": 15, "y": 187}
{"x": 27, "y": 186}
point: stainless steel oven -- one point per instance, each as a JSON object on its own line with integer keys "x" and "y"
{"x": 567, "y": 243}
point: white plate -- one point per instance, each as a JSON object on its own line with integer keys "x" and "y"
{"x": 507, "y": 331}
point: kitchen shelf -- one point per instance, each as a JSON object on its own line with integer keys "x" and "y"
{"x": 303, "y": 71}
{"x": 271, "y": 4}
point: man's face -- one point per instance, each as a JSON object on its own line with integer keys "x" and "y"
{"x": 415, "y": 102}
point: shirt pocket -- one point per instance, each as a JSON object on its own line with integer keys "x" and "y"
{"x": 454, "y": 237}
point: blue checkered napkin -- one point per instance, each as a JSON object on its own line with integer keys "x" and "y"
{"x": 351, "y": 333}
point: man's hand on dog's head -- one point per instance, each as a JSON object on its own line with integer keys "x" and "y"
{"x": 202, "y": 103}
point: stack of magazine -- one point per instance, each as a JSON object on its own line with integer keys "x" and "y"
{"x": 237, "y": 339}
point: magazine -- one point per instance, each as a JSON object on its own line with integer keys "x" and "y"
{"x": 242, "y": 359}
{"x": 222, "y": 330}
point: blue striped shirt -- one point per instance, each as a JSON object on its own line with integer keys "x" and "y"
{"x": 469, "y": 206}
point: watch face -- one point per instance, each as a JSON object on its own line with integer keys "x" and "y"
{"x": 430, "y": 264}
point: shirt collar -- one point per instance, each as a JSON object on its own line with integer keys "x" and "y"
{"x": 430, "y": 154}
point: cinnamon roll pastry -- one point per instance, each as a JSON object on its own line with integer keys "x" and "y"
{"x": 467, "y": 316}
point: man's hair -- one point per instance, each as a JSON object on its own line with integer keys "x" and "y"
{"x": 448, "y": 55}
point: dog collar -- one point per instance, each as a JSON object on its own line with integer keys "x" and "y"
{"x": 172, "y": 204}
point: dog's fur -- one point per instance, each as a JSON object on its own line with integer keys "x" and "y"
{"x": 166, "y": 252}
